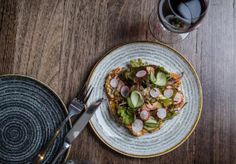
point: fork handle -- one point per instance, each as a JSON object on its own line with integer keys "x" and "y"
{"x": 44, "y": 150}
{"x": 62, "y": 151}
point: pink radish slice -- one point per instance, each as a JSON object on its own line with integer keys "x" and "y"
{"x": 161, "y": 113}
{"x": 114, "y": 83}
{"x": 155, "y": 92}
{"x": 178, "y": 98}
{"x": 168, "y": 93}
{"x": 144, "y": 115}
{"x": 124, "y": 91}
{"x": 137, "y": 125}
{"x": 120, "y": 85}
{"x": 141, "y": 73}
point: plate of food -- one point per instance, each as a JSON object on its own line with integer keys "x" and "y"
{"x": 30, "y": 112}
{"x": 154, "y": 99}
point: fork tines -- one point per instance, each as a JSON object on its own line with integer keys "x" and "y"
{"x": 85, "y": 93}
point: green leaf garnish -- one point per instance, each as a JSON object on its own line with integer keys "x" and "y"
{"x": 130, "y": 102}
{"x": 162, "y": 69}
{"x": 170, "y": 115}
{"x": 153, "y": 78}
{"x": 166, "y": 101}
{"x": 135, "y": 96}
{"x": 150, "y": 124}
{"x": 149, "y": 129}
{"x": 137, "y": 63}
{"x": 136, "y": 99}
{"x": 161, "y": 79}
{"x": 126, "y": 116}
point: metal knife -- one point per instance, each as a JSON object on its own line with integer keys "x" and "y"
{"x": 78, "y": 127}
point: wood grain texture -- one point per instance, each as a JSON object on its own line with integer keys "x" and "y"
{"x": 59, "y": 41}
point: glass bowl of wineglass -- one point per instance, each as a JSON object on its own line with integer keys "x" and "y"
{"x": 172, "y": 20}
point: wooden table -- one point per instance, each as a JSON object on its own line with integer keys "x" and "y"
{"x": 59, "y": 41}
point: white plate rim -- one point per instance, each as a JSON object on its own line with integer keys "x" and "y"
{"x": 200, "y": 102}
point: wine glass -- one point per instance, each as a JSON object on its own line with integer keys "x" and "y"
{"x": 172, "y": 20}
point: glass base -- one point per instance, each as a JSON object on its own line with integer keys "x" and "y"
{"x": 161, "y": 33}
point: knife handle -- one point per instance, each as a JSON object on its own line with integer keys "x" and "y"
{"x": 64, "y": 148}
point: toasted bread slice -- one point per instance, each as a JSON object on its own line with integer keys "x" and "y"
{"x": 115, "y": 98}
{"x": 112, "y": 102}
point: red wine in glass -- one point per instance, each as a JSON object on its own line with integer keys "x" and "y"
{"x": 176, "y": 18}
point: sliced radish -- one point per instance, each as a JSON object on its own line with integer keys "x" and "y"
{"x": 137, "y": 125}
{"x": 124, "y": 91}
{"x": 114, "y": 83}
{"x": 141, "y": 73}
{"x": 144, "y": 115}
{"x": 168, "y": 93}
{"x": 155, "y": 92}
{"x": 161, "y": 113}
{"x": 178, "y": 98}
{"x": 120, "y": 85}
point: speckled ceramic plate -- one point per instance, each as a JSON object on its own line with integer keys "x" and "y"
{"x": 29, "y": 115}
{"x": 175, "y": 131}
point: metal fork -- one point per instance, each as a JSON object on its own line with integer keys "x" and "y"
{"x": 76, "y": 106}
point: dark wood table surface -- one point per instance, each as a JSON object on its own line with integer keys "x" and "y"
{"x": 59, "y": 41}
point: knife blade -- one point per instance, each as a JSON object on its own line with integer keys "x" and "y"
{"x": 78, "y": 127}
{"x": 82, "y": 121}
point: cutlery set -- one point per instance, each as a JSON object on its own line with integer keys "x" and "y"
{"x": 77, "y": 105}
